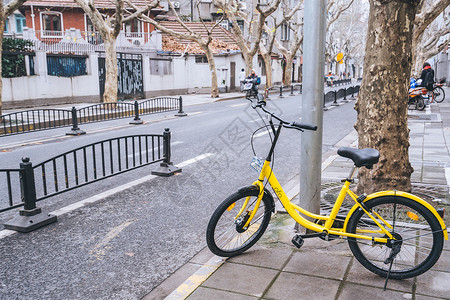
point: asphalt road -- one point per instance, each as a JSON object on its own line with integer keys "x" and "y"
{"x": 123, "y": 246}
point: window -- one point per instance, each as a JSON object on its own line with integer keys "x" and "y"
{"x": 89, "y": 26}
{"x": 6, "y": 25}
{"x": 51, "y": 23}
{"x": 241, "y": 24}
{"x": 161, "y": 67}
{"x": 285, "y": 32}
{"x": 90, "y": 34}
{"x": 201, "y": 60}
{"x": 20, "y": 23}
{"x": 133, "y": 28}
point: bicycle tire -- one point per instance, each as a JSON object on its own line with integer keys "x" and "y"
{"x": 438, "y": 94}
{"x": 225, "y": 235}
{"x": 420, "y": 103}
{"x": 414, "y": 224}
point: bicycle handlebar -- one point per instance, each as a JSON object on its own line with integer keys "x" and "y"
{"x": 293, "y": 125}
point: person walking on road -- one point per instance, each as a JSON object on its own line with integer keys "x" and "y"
{"x": 329, "y": 78}
{"x": 242, "y": 79}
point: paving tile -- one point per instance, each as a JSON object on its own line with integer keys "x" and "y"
{"x": 203, "y": 293}
{"x": 359, "y": 274}
{"x": 447, "y": 242}
{"x": 325, "y": 265}
{"x": 274, "y": 258}
{"x": 422, "y": 297}
{"x": 242, "y": 279}
{"x": 434, "y": 283}
{"x": 339, "y": 247}
{"x": 297, "y": 286}
{"x": 355, "y": 291}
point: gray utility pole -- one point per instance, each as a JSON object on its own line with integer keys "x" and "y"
{"x": 312, "y": 103}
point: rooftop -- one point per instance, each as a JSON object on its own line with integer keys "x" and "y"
{"x": 223, "y": 40}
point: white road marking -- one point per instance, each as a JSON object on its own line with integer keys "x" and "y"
{"x": 100, "y": 249}
{"x": 101, "y": 196}
{"x": 261, "y": 134}
{"x": 136, "y": 154}
{"x": 238, "y": 105}
{"x": 194, "y": 160}
{"x": 255, "y": 120}
{"x": 196, "y": 113}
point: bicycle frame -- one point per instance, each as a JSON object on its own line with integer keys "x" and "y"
{"x": 296, "y": 211}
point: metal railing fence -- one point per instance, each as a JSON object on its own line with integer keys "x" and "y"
{"x": 333, "y": 96}
{"x": 41, "y": 119}
{"x": 94, "y": 162}
{"x": 76, "y": 168}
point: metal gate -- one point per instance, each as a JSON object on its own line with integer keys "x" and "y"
{"x": 129, "y": 80}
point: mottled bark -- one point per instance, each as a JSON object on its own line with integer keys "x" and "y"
{"x": 382, "y": 106}
{"x": 212, "y": 69}
{"x": 110, "y": 94}
{"x": 268, "y": 64}
{"x": 288, "y": 70}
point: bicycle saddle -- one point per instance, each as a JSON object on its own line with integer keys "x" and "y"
{"x": 361, "y": 157}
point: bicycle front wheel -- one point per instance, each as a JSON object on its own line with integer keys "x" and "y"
{"x": 438, "y": 94}
{"x": 415, "y": 227}
{"x": 226, "y": 234}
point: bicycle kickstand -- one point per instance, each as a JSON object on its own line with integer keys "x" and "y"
{"x": 390, "y": 260}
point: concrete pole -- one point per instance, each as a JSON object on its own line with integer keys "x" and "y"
{"x": 312, "y": 103}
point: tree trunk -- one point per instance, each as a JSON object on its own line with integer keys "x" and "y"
{"x": 212, "y": 69}
{"x": 418, "y": 61}
{"x": 288, "y": 70}
{"x": 268, "y": 64}
{"x": 110, "y": 94}
{"x": 416, "y": 54}
{"x": 382, "y": 103}
{"x": 248, "y": 59}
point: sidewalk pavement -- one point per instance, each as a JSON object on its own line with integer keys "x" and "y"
{"x": 275, "y": 269}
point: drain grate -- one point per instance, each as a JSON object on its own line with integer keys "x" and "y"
{"x": 424, "y": 117}
{"x": 437, "y": 196}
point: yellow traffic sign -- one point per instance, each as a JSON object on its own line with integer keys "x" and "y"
{"x": 339, "y": 58}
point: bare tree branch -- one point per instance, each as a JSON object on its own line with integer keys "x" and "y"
{"x": 12, "y": 6}
{"x": 337, "y": 14}
{"x": 428, "y": 15}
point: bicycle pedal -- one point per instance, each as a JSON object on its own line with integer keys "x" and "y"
{"x": 298, "y": 241}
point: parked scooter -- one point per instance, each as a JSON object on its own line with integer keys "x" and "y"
{"x": 249, "y": 91}
{"x": 416, "y": 98}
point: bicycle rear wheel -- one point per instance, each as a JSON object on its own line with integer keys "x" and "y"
{"x": 413, "y": 224}
{"x": 226, "y": 235}
{"x": 438, "y": 94}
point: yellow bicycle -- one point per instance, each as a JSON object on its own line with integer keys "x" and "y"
{"x": 392, "y": 233}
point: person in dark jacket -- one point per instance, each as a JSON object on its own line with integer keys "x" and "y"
{"x": 427, "y": 77}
